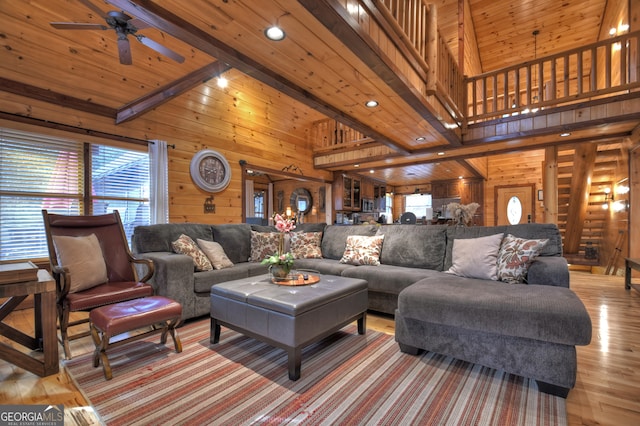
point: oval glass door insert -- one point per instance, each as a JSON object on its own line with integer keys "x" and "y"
{"x": 514, "y": 210}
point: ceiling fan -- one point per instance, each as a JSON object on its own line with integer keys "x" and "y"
{"x": 124, "y": 25}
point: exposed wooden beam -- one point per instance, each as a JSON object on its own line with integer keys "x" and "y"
{"x": 471, "y": 169}
{"x": 177, "y": 27}
{"x": 337, "y": 19}
{"x": 475, "y": 151}
{"x": 583, "y": 164}
{"x": 50, "y": 96}
{"x": 166, "y": 93}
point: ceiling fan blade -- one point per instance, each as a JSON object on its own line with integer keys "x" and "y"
{"x": 124, "y": 50}
{"x": 77, "y": 26}
{"x": 139, "y": 24}
{"x": 95, "y": 8}
{"x": 160, "y": 48}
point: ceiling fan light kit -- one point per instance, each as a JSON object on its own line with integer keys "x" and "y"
{"x": 124, "y": 25}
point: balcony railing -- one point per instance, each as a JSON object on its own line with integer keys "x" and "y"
{"x": 415, "y": 21}
{"x": 600, "y": 69}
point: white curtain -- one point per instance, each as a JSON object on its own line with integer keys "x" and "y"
{"x": 248, "y": 190}
{"x": 159, "y": 170}
{"x": 270, "y": 198}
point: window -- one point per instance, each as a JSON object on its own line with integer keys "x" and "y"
{"x": 41, "y": 172}
{"x": 120, "y": 181}
{"x": 258, "y": 203}
{"x": 419, "y": 204}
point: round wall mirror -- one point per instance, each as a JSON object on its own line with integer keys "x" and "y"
{"x": 301, "y": 201}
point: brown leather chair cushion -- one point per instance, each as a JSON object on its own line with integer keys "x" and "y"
{"x": 133, "y": 314}
{"x": 104, "y": 294}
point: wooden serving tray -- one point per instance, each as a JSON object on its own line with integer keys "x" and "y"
{"x": 299, "y": 280}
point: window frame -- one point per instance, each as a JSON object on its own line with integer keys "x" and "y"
{"x": 85, "y": 198}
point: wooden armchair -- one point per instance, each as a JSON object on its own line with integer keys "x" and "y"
{"x": 85, "y": 281}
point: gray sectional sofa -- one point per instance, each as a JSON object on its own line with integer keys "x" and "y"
{"x": 529, "y": 330}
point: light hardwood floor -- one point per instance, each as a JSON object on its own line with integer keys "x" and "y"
{"x": 607, "y": 390}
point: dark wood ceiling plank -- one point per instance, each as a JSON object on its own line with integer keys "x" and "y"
{"x": 336, "y": 18}
{"x": 177, "y": 27}
{"x": 45, "y": 95}
{"x": 164, "y": 94}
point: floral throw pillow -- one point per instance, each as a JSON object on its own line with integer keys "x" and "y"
{"x": 306, "y": 245}
{"x": 515, "y": 256}
{"x": 363, "y": 250}
{"x": 263, "y": 244}
{"x": 185, "y": 245}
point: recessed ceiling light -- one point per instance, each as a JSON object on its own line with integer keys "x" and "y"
{"x": 274, "y": 33}
{"x": 420, "y": 138}
{"x": 565, "y": 134}
{"x": 356, "y": 165}
{"x": 460, "y": 177}
{"x": 371, "y": 104}
{"x": 222, "y": 82}
{"x": 441, "y": 153}
{"x": 372, "y": 171}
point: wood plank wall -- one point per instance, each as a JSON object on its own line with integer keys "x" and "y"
{"x": 246, "y": 121}
{"x": 317, "y": 213}
{"x": 513, "y": 169}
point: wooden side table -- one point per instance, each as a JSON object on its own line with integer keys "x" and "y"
{"x": 630, "y": 264}
{"x": 44, "y": 339}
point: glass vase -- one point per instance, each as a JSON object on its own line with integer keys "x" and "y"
{"x": 280, "y": 272}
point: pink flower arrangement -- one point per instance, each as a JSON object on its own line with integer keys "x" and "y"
{"x": 281, "y": 258}
{"x": 284, "y": 225}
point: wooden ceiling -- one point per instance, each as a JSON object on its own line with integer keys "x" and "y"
{"x": 314, "y": 66}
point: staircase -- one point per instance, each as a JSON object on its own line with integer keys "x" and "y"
{"x": 594, "y": 229}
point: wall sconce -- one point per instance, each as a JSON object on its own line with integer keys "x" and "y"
{"x": 608, "y": 198}
{"x": 608, "y": 195}
{"x": 288, "y": 212}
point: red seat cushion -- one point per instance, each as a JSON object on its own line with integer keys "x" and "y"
{"x": 133, "y": 314}
{"x": 106, "y": 294}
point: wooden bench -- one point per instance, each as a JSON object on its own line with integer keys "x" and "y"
{"x": 160, "y": 313}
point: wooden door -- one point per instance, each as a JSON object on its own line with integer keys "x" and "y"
{"x": 515, "y": 203}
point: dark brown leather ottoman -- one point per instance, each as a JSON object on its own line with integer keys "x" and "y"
{"x": 288, "y": 317}
{"x": 162, "y": 313}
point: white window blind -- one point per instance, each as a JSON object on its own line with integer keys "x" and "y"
{"x": 120, "y": 181}
{"x": 36, "y": 172}
{"x": 40, "y": 172}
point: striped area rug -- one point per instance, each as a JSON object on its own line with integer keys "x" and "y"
{"x": 346, "y": 379}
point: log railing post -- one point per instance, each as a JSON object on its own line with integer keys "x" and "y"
{"x": 432, "y": 48}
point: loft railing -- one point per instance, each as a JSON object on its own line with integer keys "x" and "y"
{"x": 600, "y": 69}
{"x": 415, "y": 21}
{"x": 604, "y": 68}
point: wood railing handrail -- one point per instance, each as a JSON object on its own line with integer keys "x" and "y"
{"x": 581, "y": 73}
{"x": 428, "y": 50}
